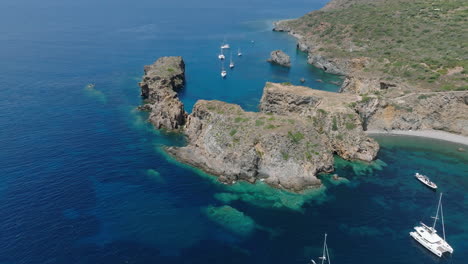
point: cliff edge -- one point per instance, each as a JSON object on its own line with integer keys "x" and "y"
{"x": 159, "y": 87}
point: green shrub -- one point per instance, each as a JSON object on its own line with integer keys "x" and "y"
{"x": 295, "y": 137}
{"x": 233, "y": 132}
{"x": 334, "y": 125}
{"x": 350, "y": 126}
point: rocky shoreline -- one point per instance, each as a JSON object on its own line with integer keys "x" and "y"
{"x": 388, "y": 105}
{"x": 286, "y": 145}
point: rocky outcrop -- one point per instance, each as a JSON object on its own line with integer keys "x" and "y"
{"x": 325, "y": 64}
{"x": 280, "y": 58}
{"x": 445, "y": 111}
{"x": 285, "y": 145}
{"x": 159, "y": 87}
{"x": 330, "y": 113}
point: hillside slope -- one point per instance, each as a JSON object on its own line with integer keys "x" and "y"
{"x": 421, "y": 43}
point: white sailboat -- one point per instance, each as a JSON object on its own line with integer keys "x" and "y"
{"x": 325, "y": 258}
{"x": 221, "y": 55}
{"x": 239, "y": 53}
{"x": 223, "y": 71}
{"x": 231, "y": 63}
{"x": 428, "y": 237}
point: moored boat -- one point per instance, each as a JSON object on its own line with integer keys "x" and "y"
{"x": 223, "y": 71}
{"x": 221, "y": 55}
{"x": 225, "y": 45}
{"x": 231, "y": 63}
{"x": 325, "y": 258}
{"x": 425, "y": 180}
{"x": 428, "y": 237}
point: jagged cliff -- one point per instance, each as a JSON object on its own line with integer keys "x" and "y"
{"x": 407, "y": 79}
{"x": 159, "y": 87}
{"x": 292, "y": 139}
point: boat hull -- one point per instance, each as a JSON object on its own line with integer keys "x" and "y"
{"x": 435, "y": 249}
{"x": 430, "y": 185}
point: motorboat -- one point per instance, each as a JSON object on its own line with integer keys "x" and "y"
{"x": 425, "y": 180}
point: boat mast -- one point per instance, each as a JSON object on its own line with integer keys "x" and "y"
{"x": 328, "y": 256}
{"x": 437, "y": 213}
{"x": 324, "y": 246}
{"x": 442, "y": 218}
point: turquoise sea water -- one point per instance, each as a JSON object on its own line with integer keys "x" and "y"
{"x": 84, "y": 179}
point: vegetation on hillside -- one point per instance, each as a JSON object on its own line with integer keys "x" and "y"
{"x": 423, "y": 42}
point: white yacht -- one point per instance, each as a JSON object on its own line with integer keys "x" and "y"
{"x": 221, "y": 55}
{"x": 428, "y": 237}
{"x": 225, "y": 45}
{"x": 223, "y": 72}
{"x": 424, "y": 179}
{"x": 325, "y": 258}
{"x": 239, "y": 53}
{"x": 231, "y": 63}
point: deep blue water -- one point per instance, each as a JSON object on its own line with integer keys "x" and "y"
{"x": 84, "y": 180}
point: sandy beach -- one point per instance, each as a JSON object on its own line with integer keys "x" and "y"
{"x": 441, "y": 135}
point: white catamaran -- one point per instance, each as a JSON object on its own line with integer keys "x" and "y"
{"x": 325, "y": 256}
{"x": 428, "y": 237}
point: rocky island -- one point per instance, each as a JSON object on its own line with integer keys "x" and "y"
{"x": 286, "y": 144}
{"x": 391, "y": 55}
{"x": 280, "y": 58}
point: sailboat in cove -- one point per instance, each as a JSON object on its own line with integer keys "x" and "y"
{"x": 428, "y": 237}
{"x": 223, "y": 71}
{"x": 231, "y": 63}
{"x": 325, "y": 258}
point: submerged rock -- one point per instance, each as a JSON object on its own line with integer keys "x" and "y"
{"x": 159, "y": 88}
{"x": 232, "y": 219}
{"x": 280, "y": 58}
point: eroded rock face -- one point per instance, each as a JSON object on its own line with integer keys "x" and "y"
{"x": 280, "y": 58}
{"x": 330, "y": 114}
{"x": 436, "y": 110}
{"x": 286, "y": 145}
{"x": 325, "y": 64}
{"x": 159, "y": 87}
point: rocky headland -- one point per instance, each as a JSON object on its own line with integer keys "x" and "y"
{"x": 159, "y": 86}
{"x": 286, "y": 144}
{"x": 280, "y": 58}
{"x": 401, "y": 89}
